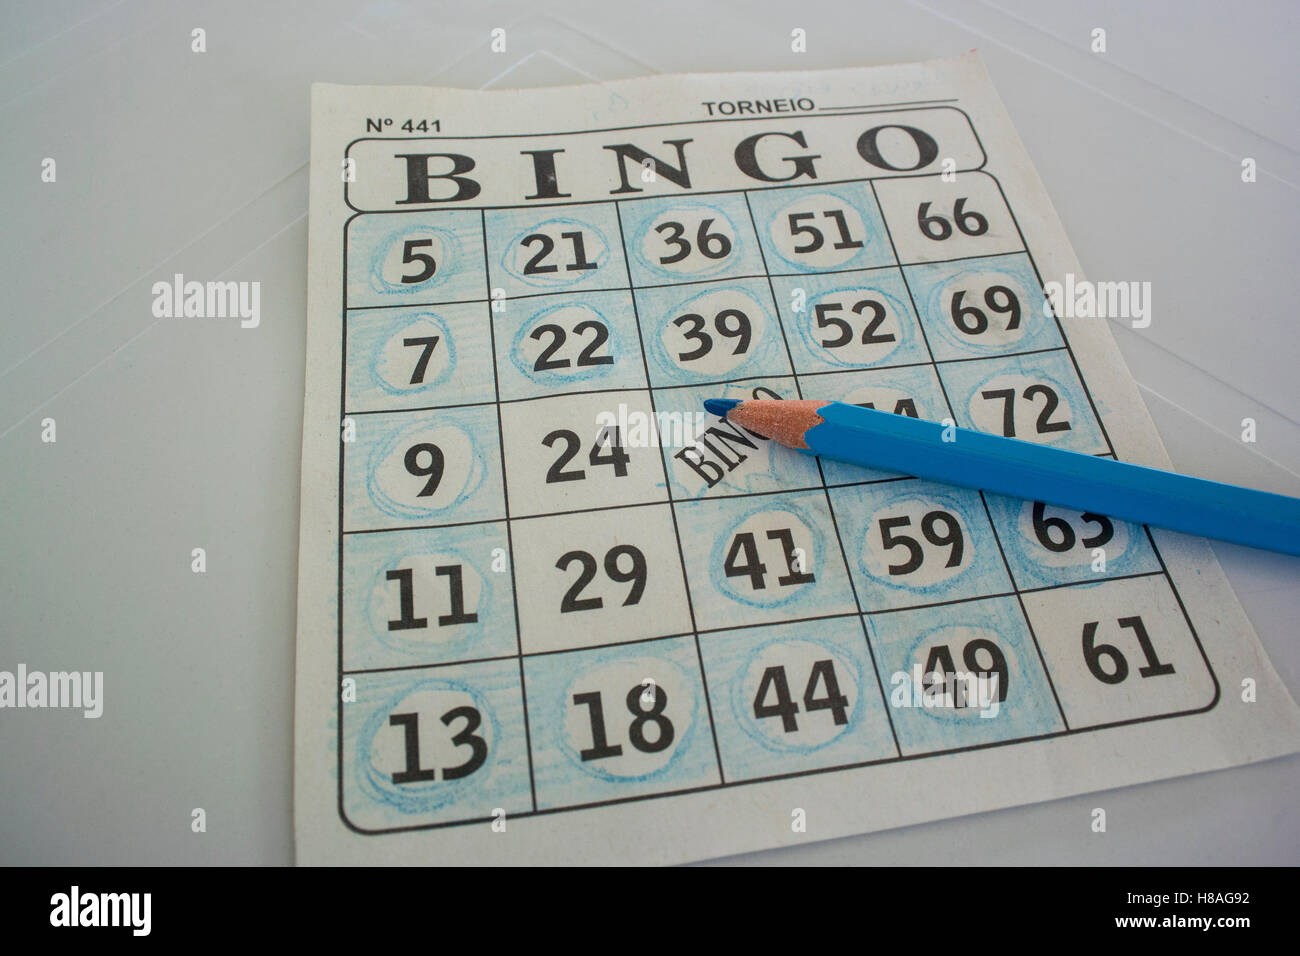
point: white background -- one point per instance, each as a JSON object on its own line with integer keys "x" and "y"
{"x": 175, "y": 434}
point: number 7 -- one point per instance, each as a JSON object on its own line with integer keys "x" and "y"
{"x": 428, "y": 341}
{"x": 1008, "y": 396}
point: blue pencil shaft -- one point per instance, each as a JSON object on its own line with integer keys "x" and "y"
{"x": 1069, "y": 479}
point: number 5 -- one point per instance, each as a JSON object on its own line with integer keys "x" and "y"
{"x": 409, "y": 255}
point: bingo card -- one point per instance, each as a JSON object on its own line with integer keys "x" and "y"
{"x": 551, "y": 611}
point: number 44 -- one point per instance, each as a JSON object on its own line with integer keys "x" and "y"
{"x": 774, "y": 682}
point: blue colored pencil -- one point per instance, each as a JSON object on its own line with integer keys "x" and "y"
{"x": 1021, "y": 469}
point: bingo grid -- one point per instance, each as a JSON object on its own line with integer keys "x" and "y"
{"x": 542, "y": 609}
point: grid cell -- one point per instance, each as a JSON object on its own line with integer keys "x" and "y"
{"x": 424, "y": 257}
{"x": 1035, "y": 398}
{"x": 763, "y": 559}
{"x": 724, "y": 459}
{"x": 911, "y": 390}
{"x": 414, "y": 358}
{"x": 615, "y": 722}
{"x": 688, "y": 238}
{"x": 792, "y": 697}
{"x": 436, "y": 745}
{"x": 573, "y": 452}
{"x": 710, "y": 332}
{"x": 427, "y": 597}
{"x": 980, "y": 307}
{"x": 585, "y": 580}
{"x": 918, "y": 542}
{"x": 1114, "y": 650}
{"x": 534, "y": 251}
{"x": 812, "y": 228}
{"x": 567, "y": 343}
{"x": 849, "y": 320}
{"x": 1046, "y": 545}
{"x": 974, "y": 679}
{"x": 423, "y": 468}
{"x": 932, "y": 219}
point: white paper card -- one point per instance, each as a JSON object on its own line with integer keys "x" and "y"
{"x": 550, "y": 611}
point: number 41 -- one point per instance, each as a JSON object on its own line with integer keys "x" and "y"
{"x": 743, "y": 546}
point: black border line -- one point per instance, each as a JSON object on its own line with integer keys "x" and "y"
{"x": 821, "y": 473}
{"x": 347, "y": 150}
{"x": 505, "y": 500}
{"x": 672, "y": 285}
{"x": 1164, "y": 572}
{"x": 672, "y": 506}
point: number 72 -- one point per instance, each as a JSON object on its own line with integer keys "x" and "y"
{"x": 1043, "y": 424}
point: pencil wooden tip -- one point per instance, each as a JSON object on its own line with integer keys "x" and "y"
{"x": 781, "y": 420}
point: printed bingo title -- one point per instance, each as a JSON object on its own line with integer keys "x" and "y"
{"x": 391, "y": 174}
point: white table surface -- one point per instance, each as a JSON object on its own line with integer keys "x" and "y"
{"x": 176, "y": 435}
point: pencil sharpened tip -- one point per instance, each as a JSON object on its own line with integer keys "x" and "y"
{"x": 720, "y": 406}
